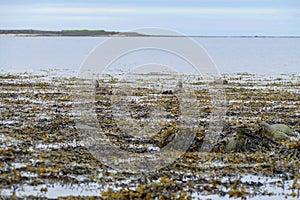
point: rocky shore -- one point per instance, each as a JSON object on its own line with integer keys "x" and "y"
{"x": 256, "y": 155}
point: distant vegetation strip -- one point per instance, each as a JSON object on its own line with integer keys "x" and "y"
{"x": 86, "y": 32}
{"x": 83, "y": 32}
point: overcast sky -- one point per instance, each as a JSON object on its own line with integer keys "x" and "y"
{"x": 190, "y": 17}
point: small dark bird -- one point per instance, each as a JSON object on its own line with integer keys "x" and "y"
{"x": 179, "y": 88}
{"x": 221, "y": 81}
{"x": 102, "y": 91}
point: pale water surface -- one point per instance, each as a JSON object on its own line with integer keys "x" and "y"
{"x": 231, "y": 55}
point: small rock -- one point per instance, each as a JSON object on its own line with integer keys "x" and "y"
{"x": 275, "y": 131}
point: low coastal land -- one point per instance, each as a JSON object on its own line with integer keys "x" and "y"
{"x": 104, "y": 33}
{"x": 42, "y": 155}
{"x": 66, "y": 33}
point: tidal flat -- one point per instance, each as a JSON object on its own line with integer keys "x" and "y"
{"x": 42, "y": 153}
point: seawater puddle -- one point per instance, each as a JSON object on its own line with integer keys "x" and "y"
{"x": 44, "y": 146}
{"x": 54, "y": 190}
{"x": 271, "y": 188}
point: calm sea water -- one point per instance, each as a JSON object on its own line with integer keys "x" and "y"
{"x": 231, "y": 55}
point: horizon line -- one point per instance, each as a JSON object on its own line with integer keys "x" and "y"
{"x": 110, "y": 32}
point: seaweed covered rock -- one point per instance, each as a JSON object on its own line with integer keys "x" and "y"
{"x": 252, "y": 137}
{"x": 275, "y": 131}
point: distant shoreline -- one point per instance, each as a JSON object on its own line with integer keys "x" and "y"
{"x": 103, "y": 33}
{"x": 66, "y": 33}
